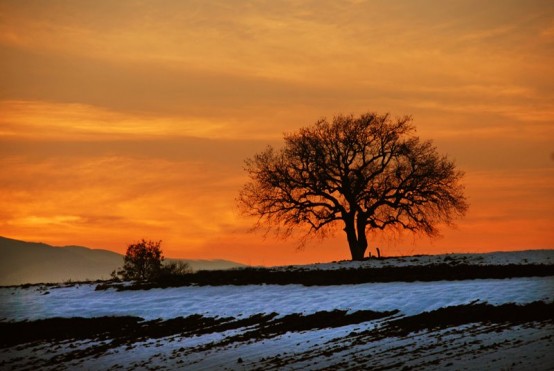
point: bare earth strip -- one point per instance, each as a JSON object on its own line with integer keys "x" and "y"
{"x": 469, "y": 336}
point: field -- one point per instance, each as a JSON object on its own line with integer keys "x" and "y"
{"x": 480, "y": 323}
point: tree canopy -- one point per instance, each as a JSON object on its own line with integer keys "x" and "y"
{"x": 361, "y": 173}
{"x": 143, "y": 261}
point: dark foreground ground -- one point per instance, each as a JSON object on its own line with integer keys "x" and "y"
{"x": 476, "y": 336}
{"x": 343, "y": 276}
{"x": 268, "y": 326}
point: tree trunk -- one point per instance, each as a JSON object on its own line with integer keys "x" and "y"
{"x": 356, "y": 241}
{"x": 357, "y": 253}
{"x": 362, "y": 239}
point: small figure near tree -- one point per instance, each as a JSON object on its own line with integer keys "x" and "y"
{"x": 143, "y": 261}
{"x": 360, "y": 173}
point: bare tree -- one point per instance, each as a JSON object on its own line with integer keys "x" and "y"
{"x": 362, "y": 173}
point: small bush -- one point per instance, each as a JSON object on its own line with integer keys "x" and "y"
{"x": 142, "y": 262}
{"x": 175, "y": 268}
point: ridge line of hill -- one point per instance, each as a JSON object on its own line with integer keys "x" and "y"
{"x": 24, "y": 262}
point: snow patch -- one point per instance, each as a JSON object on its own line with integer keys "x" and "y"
{"x": 242, "y": 301}
{"x": 494, "y": 258}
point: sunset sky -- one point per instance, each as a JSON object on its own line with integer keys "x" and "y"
{"x": 122, "y": 120}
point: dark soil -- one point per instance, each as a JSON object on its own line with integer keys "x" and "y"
{"x": 130, "y": 329}
{"x": 471, "y": 313}
{"x": 109, "y": 333}
{"x": 54, "y": 329}
{"x": 299, "y": 322}
{"x": 256, "y": 276}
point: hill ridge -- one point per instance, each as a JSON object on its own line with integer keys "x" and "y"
{"x": 37, "y": 262}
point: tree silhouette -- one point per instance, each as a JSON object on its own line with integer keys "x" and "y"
{"x": 142, "y": 261}
{"x": 362, "y": 173}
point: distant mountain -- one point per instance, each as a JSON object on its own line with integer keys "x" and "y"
{"x": 30, "y": 262}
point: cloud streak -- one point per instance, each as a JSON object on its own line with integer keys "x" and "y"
{"x": 127, "y": 118}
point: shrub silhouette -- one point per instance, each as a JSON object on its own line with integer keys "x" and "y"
{"x": 142, "y": 261}
{"x": 175, "y": 269}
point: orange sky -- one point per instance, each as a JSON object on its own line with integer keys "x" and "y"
{"x": 123, "y": 120}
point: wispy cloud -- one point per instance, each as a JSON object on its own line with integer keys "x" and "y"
{"x": 123, "y": 117}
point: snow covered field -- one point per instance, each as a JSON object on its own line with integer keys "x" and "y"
{"x": 238, "y": 301}
{"x": 362, "y": 326}
{"x": 494, "y": 258}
